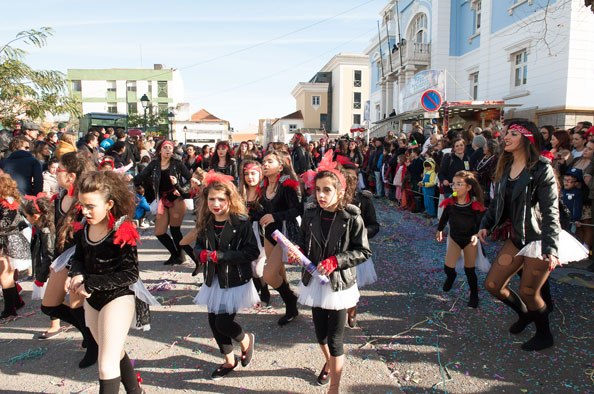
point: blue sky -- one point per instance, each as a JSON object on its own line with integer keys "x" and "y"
{"x": 200, "y": 39}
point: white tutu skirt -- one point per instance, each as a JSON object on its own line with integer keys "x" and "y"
{"x": 258, "y": 264}
{"x": 481, "y": 262}
{"x": 142, "y": 294}
{"x": 38, "y": 292}
{"x": 366, "y": 273}
{"x": 230, "y": 300}
{"x": 570, "y": 249}
{"x": 317, "y": 295}
{"x": 62, "y": 260}
{"x": 19, "y": 264}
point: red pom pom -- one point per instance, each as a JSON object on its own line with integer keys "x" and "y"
{"x": 291, "y": 183}
{"x": 446, "y": 202}
{"x": 76, "y": 226}
{"x": 203, "y": 256}
{"x": 126, "y": 235}
{"x": 477, "y": 206}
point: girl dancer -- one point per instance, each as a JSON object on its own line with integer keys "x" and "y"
{"x": 226, "y": 244}
{"x": 526, "y": 193}
{"x": 15, "y": 253}
{"x": 221, "y": 161}
{"x": 71, "y": 168}
{"x": 363, "y": 200}
{"x": 333, "y": 234}
{"x": 104, "y": 267}
{"x": 39, "y": 211}
{"x": 168, "y": 176}
{"x": 281, "y": 202}
{"x": 249, "y": 181}
{"x": 463, "y": 211}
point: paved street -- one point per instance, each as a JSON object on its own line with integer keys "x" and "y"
{"x": 413, "y": 338}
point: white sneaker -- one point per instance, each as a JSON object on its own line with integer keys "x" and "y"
{"x": 144, "y": 224}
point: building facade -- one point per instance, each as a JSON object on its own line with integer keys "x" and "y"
{"x": 120, "y": 90}
{"x": 201, "y": 128}
{"x": 533, "y": 54}
{"x": 284, "y": 128}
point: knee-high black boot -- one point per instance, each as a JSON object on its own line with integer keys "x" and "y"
{"x": 515, "y": 302}
{"x": 545, "y": 293}
{"x": 290, "y": 300}
{"x": 543, "y": 338}
{"x": 451, "y": 277}
{"x": 177, "y": 236}
{"x": 109, "y": 386}
{"x": 166, "y": 241}
{"x": 63, "y": 313}
{"x": 90, "y": 357}
{"x": 11, "y": 296}
{"x": 128, "y": 376}
{"x": 262, "y": 289}
{"x": 473, "y": 284}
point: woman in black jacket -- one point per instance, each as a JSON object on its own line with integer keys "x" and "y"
{"x": 171, "y": 182}
{"x": 354, "y": 153}
{"x": 227, "y": 246}
{"x": 333, "y": 236}
{"x": 221, "y": 160}
{"x": 526, "y": 195}
{"x": 451, "y": 164}
{"x": 299, "y": 156}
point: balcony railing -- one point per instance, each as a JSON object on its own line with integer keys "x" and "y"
{"x": 357, "y": 105}
{"x": 415, "y": 53}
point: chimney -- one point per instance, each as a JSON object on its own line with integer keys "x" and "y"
{"x": 158, "y": 67}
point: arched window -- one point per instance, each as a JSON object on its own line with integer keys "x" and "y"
{"x": 418, "y": 29}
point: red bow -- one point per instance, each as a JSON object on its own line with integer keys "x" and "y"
{"x": 35, "y": 198}
{"x": 327, "y": 164}
{"x": 212, "y": 176}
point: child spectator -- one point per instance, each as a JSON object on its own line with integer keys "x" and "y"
{"x": 50, "y": 179}
{"x": 415, "y": 170}
{"x": 386, "y": 171}
{"x": 399, "y": 177}
{"x": 571, "y": 194}
{"x": 142, "y": 207}
{"x": 428, "y": 185}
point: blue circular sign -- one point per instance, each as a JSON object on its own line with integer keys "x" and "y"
{"x": 431, "y": 100}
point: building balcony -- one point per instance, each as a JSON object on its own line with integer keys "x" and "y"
{"x": 415, "y": 53}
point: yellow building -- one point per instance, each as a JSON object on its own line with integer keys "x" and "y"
{"x": 312, "y": 100}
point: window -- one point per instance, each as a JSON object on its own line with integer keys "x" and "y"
{"x": 162, "y": 89}
{"x": 323, "y": 119}
{"x": 111, "y": 86}
{"x": 356, "y": 119}
{"x": 357, "y": 82}
{"x": 150, "y": 87}
{"x": 76, "y": 86}
{"x": 520, "y": 60}
{"x": 132, "y": 108}
{"x": 163, "y": 108}
{"x": 474, "y": 78}
{"x": 477, "y": 16}
{"x": 112, "y": 108}
{"x": 292, "y": 127}
{"x": 418, "y": 31}
{"x": 357, "y": 100}
{"x": 131, "y": 86}
{"x": 315, "y": 100}
{"x": 378, "y": 112}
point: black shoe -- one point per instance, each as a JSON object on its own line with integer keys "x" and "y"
{"x": 449, "y": 282}
{"x": 20, "y": 303}
{"x": 288, "y": 317}
{"x": 90, "y": 357}
{"x": 265, "y": 295}
{"x": 473, "y": 301}
{"x": 520, "y": 325}
{"x": 324, "y": 376}
{"x": 352, "y": 320}
{"x": 11, "y": 296}
{"x": 246, "y": 357}
{"x": 222, "y": 371}
{"x": 170, "y": 260}
{"x": 543, "y": 338}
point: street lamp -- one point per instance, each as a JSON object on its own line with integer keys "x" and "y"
{"x": 144, "y": 100}
{"x": 171, "y": 117}
{"x": 185, "y": 136}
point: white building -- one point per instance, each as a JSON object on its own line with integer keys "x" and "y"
{"x": 202, "y": 128}
{"x": 284, "y": 128}
{"x": 537, "y": 58}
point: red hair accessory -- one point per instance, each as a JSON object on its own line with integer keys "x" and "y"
{"x": 126, "y": 235}
{"x": 326, "y": 164}
{"x": 250, "y": 166}
{"x": 54, "y": 197}
{"x": 111, "y": 221}
{"x": 308, "y": 178}
{"x": 106, "y": 161}
{"x": 344, "y": 160}
{"x": 212, "y": 176}
{"x": 35, "y": 198}
{"x": 167, "y": 143}
{"x": 71, "y": 190}
{"x": 548, "y": 155}
{"x": 522, "y": 130}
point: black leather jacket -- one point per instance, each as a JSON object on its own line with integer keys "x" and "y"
{"x": 235, "y": 253}
{"x": 363, "y": 200}
{"x": 176, "y": 168}
{"x": 534, "y": 211}
{"x": 347, "y": 241}
{"x": 43, "y": 244}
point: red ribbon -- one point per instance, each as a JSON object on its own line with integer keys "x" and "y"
{"x": 522, "y": 130}
{"x": 35, "y": 198}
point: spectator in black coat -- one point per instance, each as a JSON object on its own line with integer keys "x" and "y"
{"x": 452, "y": 163}
{"x": 299, "y": 156}
{"x": 478, "y": 143}
{"x": 23, "y": 167}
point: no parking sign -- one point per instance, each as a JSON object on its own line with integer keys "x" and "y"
{"x": 431, "y": 100}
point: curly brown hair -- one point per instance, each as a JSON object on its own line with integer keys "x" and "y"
{"x": 8, "y": 188}
{"x": 236, "y": 204}
{"x": 45, "y": 212}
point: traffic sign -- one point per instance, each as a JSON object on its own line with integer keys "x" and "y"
{"x": 431, "y": 100}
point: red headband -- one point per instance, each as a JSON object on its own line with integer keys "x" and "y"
{"x": 35, "y": 198}
{"x": 326, "y": 164}
{"x": 524, "y": 131}
{"x": 167, "y": 143}
{"x": 212, "y": 176}
{"x": 105, "y": 162}
{"x": 250, "y": 166}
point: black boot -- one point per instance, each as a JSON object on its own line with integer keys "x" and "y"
{"x": 473, "y": 284}
{"x": 290, "y": 300}
{"x": 166, "y": 241}
{"x": 92, "y": 352}
{"x": 515, "y": 302}
{"x": 451, "y": 277}
{"x": 177, "y": 236}
{"x": 11, "y": 296}
{"x": 545, "y": 293}
{"x": 543, "y": 338}
{"x": 128, "y": 376}
{"x": 63, "y": 313}
{"x": 264, "y": 293}
{"x": 109, "y": 386}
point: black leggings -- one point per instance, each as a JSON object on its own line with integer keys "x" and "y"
{"x": 329, "y": 325}
{"x": 224, "y": 329}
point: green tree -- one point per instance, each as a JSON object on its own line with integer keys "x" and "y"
{"x": 155, "y": 119}
{"x": 29, "y": 93}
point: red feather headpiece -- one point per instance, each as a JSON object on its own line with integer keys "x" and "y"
{"x": 212, "y": 176}
{"x": 327, "y": 164}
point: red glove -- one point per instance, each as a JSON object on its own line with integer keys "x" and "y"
{"x": 203, "y": 256}
{"x": 38, "y": 283}
{"x": 213, "y": 256}
{"x": 330, "y": 264}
